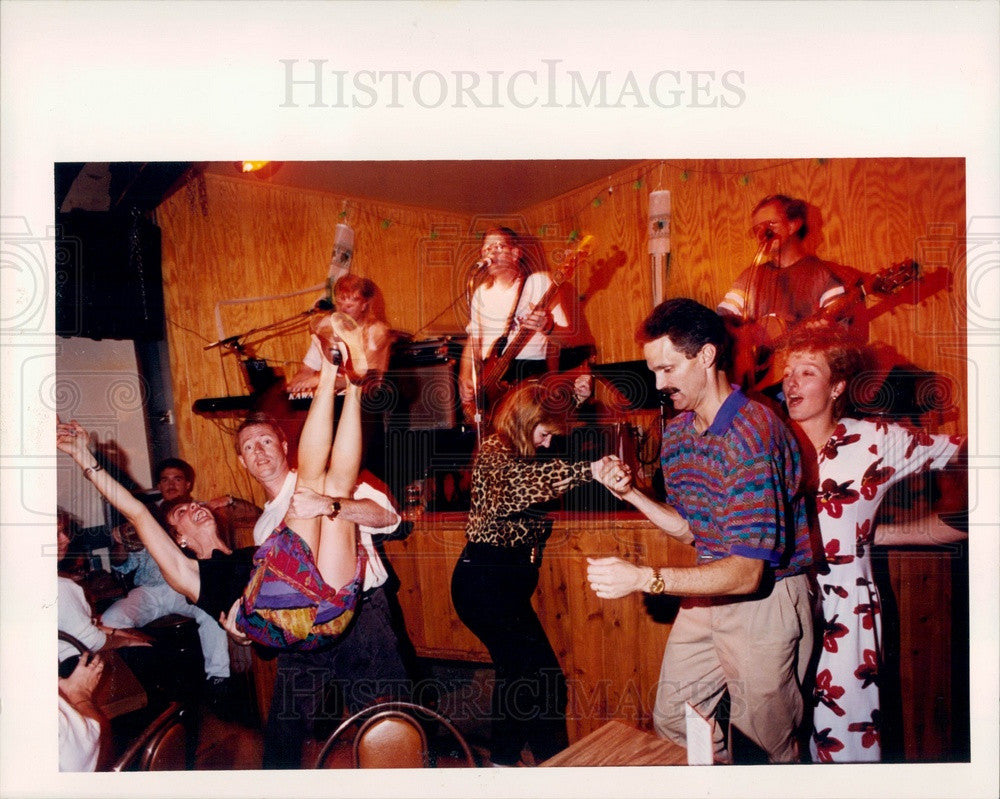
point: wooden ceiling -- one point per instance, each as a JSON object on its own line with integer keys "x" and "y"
{"x": 473, "y": 187}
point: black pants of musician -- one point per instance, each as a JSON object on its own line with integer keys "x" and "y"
{"x": 491, "y": 588}
{"x": 365, "y": 664}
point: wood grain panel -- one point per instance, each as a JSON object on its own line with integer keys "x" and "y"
{"x": 251, "y": 240}
{"x": 922, "y": 587}
{"x": 610, "y": 651}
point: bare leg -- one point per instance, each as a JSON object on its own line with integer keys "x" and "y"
{"x": 314, "y": 451}
{"x": 337, "y": 554}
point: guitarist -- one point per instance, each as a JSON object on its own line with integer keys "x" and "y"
{"x": 785, "y": 284}
{"x": 505, "y": 300}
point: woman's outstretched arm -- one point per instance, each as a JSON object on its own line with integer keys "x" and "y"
{"x": 180, "y": 571}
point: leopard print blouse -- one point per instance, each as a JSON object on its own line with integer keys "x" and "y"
{"x": 504, "y": 487}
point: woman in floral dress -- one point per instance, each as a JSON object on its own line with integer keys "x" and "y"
{"x": 858, "y": 461}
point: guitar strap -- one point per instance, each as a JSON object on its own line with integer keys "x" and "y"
{"x": 501, "y": 343}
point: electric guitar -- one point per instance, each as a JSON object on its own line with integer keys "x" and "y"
{"x": 495, "y": 365}
{"x": 757, "y": 342}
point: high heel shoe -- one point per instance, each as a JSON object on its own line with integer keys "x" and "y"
{"x": 322, "y": 328}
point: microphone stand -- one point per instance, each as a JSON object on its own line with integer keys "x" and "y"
{"x": 766, "y": 245}
{"x": 258, "y": 374}
{"x": 475, "y": 277}
{"x": 280, "y": 326}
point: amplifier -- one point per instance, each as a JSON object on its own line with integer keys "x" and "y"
{"x": 409, "y": 353}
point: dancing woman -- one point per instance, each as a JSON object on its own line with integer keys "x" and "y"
{"x": 857, "y": 461}
{"x": 497, "y": 572}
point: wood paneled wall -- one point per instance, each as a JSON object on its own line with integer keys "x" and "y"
{"x": 872, "y": 213}
{"x": 228, "y": 238}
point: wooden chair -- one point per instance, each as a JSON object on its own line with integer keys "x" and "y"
{"x": 162, "y": 746}
{"x": 389, "y": 735}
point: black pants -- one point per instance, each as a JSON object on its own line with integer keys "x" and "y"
{"x": 365, "y": 664}
{"x": 491, "y": 588}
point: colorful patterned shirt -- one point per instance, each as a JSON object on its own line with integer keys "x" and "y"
{"x": 737, "y": 485}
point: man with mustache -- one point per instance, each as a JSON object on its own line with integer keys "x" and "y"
{"x": 731, "y": 471}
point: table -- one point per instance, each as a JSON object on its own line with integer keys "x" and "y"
{"x": 618, "y": 744}
{"x": 119, "y": 691}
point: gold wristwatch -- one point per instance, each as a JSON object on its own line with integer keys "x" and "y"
{"x": 334, "y": 509}
{"x": 657, "y": 585}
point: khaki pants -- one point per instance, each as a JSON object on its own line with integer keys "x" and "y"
{"x": 758, "y": 649}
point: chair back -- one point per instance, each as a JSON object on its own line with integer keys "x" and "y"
{"x": 390, "y": 739}
{"x": 390, "y": 735}
{"x": 162, "y": 746}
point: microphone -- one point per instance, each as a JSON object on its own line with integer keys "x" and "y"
{"x": 323, "y": 305}
{"x": 768, "y": 234}
{"x": 483, "y": 263}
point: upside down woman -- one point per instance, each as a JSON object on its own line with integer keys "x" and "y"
{"x": 300, "y": 588}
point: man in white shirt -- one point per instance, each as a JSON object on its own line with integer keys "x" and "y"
{"x": 366, "y": 663}
{"x": 505, "y": 300}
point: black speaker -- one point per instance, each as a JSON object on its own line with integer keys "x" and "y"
{"x": 108, "y": 278}
{"x": 426, "y": 397}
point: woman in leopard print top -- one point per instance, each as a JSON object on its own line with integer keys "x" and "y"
{"x": 497, "y": 572}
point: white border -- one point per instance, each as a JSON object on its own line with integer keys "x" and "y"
{"x": 201, "y": 81}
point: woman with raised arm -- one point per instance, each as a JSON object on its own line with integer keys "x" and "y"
{"x": 856, "y": 463}
{"x": 300, "y": 588}
{"x": 497, "y": 572}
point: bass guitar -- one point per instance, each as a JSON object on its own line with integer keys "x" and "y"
{"x": 756, "y": 342}
{"x": 495, "y": 365}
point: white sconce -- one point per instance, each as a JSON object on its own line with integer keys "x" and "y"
{"x": 659, "y": 242}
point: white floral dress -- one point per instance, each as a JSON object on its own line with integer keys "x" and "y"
{"x": 857, "y": 466}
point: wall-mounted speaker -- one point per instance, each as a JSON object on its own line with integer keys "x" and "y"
{"x": 108, "y": 278}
